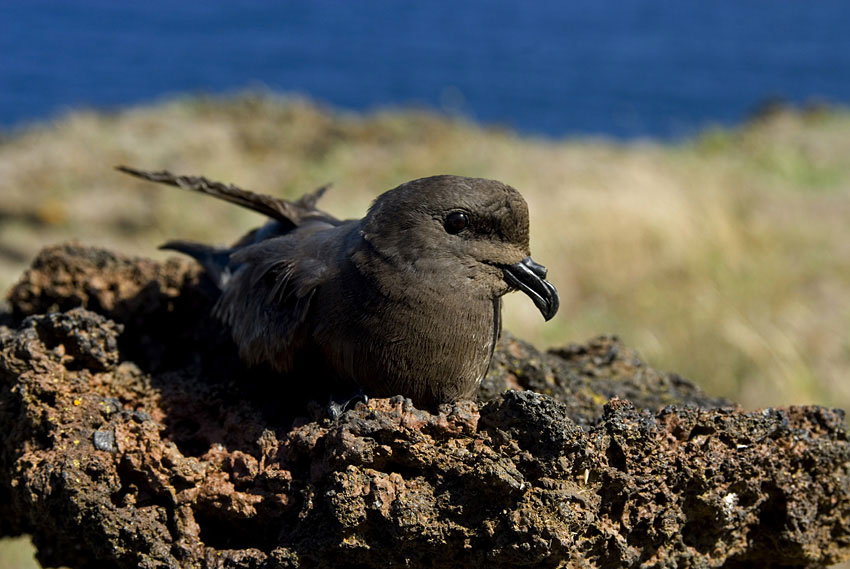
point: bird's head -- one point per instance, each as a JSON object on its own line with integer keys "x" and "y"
{"x": 470, "y": 233}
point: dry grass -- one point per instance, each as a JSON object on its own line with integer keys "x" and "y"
{"x": 725, "y": 258}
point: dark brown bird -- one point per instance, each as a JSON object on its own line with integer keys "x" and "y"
{"x": 405, "y": 301}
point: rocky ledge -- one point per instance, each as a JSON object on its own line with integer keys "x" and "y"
{"x": 133, "y": 437}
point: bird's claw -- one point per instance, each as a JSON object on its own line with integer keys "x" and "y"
{"x": 335, "y": 408}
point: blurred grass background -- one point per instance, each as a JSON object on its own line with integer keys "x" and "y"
{"x": 725, "y": 257}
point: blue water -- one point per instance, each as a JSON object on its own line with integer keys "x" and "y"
{"x": 629, "y": 68}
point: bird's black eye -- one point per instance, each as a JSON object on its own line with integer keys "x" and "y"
{"x": 456, "y": 222}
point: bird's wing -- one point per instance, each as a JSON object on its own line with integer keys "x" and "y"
{"x": 291, "y": 214}
{"x": 214, "y": 260}
{"x": 267, "y": 300}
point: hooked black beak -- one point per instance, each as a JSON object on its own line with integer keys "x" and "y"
{"x": 530, "y": 278}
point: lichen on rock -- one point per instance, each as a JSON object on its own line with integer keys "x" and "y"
{"x": 134, "y": 437}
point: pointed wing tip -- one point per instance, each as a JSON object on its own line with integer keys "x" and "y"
{"x": 144, "y": 174}
{"x": 169, "y": 246}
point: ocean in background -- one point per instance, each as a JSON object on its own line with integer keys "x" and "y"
{"x": 632, "y": 68}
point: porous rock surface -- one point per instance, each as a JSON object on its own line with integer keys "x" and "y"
{"x": 133, "y": 437}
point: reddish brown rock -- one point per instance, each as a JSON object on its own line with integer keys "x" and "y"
{"x": 135, "y": 438}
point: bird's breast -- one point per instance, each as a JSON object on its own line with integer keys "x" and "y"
{"x": 433, "y": 348}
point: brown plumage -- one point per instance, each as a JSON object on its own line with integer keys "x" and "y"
{"x": 405, "y": 301}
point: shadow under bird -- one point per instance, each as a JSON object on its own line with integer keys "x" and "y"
{"x": 406, "y": 300}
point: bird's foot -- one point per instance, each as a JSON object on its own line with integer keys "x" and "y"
{"x": 336, "y": 408}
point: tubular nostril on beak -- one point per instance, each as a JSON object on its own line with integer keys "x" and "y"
{"x": 530, "y": 278}
{"x": 536, "y": 268}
